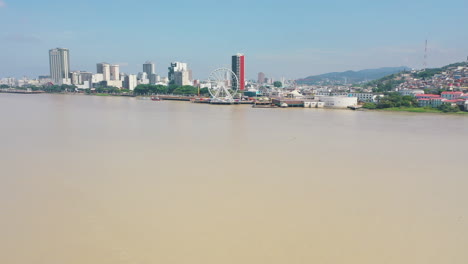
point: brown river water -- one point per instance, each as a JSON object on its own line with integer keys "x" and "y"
{"x": 101, "y": 180}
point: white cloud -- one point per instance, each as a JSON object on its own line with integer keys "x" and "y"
{"x": 2, "y": 3}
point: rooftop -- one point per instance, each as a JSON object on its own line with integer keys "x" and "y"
{"x": 454, "y": 93}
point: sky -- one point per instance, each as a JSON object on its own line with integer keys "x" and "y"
{"x": 291, "y": 39}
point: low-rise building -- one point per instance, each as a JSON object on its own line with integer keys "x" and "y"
{"x": 114, "y": 83}
{"x": 338, "y": 101}
{"x": 451, "y": 95}
{"x": 366, "y": 97}
{"x": 411, "y": 92}
{"x": 430, "y": 102}
{"x": 287, "y": 102}
{"x": 427, "y": 96}
{"x": 294, "y": 94}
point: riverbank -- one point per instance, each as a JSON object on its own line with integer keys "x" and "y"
{"x": 428, "y": 110}
{"x": 419, "y": 110}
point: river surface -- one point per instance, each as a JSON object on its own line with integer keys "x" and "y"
{"x": 106, "y": 180}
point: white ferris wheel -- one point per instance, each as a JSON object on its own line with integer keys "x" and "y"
{"x": 223, "y": 85}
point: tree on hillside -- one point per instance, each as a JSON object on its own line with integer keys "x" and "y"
{"x": 277, "y": 84}
{"x": 447, "y": 108}
{"x": 397, "y": 100}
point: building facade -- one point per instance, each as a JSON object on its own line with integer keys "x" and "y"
{"x": 75, "y": 78}
{"x": 59, "y": 62}
{"x": 177, "y": 67}
{"x": 154, "y": 78}
{"x": 238, "y": 67}
{"x": 86, "y": 79}
{"x": 97, "y": 78}
{"x": 261, "y": 78}
{"x": 338, "y": 101}
{"x": 104, "y": 69}
{"x": 430, "y": 102}
{"x": 130, "y": 82}
{"x": 149, "y": 67}
{"x": 366, "y": 97}
{"x": 451, "y": 95}
{"x": 182, "y": 78}
{"x": 412, "y": 92}
{"x": 114, "y": 72}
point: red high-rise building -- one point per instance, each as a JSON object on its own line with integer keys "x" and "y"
{"x": 238, "y": 67}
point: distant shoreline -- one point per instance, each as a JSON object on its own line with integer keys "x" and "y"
{"x": 394, "y": 109}
{"x": 417, "y": 110}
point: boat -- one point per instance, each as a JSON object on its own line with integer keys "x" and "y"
{"x": 155, "y": 98}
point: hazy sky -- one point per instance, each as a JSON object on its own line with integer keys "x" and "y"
{"x": 293, "y": 38}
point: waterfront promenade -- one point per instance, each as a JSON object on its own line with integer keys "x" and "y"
{"x": 19, "y": 91}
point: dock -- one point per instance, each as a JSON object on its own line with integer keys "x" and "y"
{"x": 18, "y": 91}
{"x": 357, "y": 107}
{"x": 175, "y": 98}
{"x": 209, "y": 101}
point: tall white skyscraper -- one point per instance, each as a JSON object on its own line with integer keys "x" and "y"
{"x": 114, "y": 72}
{"x": 59, "y": 62}
{"x": 130, "y": 82}
{"x": 104, "y": 69}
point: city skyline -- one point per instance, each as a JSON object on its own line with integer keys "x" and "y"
{"x": 295, "y": 41}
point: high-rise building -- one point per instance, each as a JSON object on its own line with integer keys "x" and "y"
{"x": 143, "y": 78}
{"x": 122, "y": 76}
{"x": 104, "y": 68}
{"x": 99, "y": 67}
{"x": 177, "y": 67}
{"x": 114, "y": 72}
{"x": 81, "y": 79}
{"x": 97, "y": 78}
{"x": 87, "y": 79}
{"x": 106, "y": 72}
{"x": 154, "y": 78}
{"x": 261, "y": 78}
{"x": 149, "y": 67}
{"x": 130, "y": 82}
{"x": 238, "y": 67}
{"x": 75, "y": 77}
{"x": 59, "y": 62}
{"x": 181, "y": 78}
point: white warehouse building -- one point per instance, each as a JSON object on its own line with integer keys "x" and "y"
{"x": 338, "y": 101}
{"x": 366, "y": 97}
